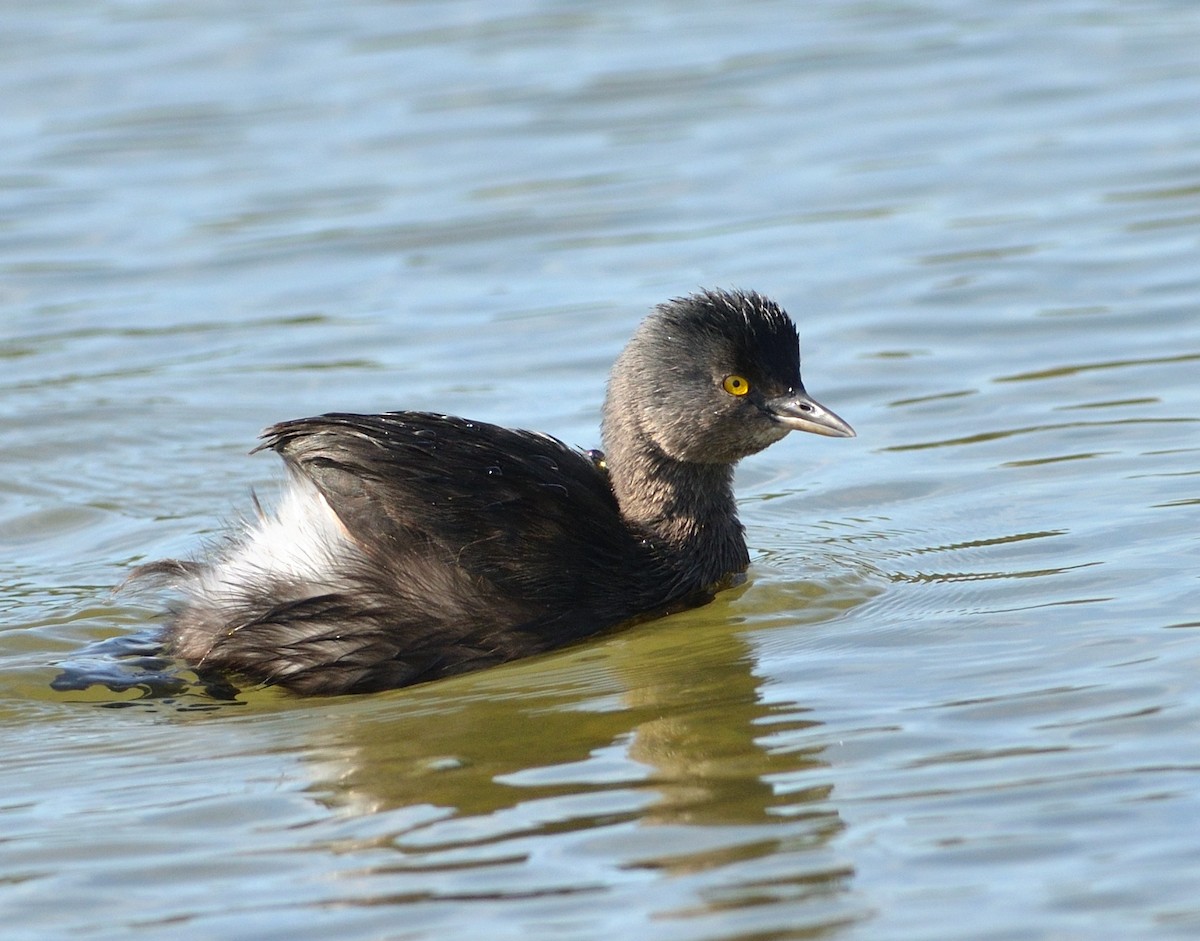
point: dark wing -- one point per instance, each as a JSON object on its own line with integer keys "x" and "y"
{"x": 532, "y": 523}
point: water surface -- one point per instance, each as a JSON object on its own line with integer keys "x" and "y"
{"x": 957, "y": 696}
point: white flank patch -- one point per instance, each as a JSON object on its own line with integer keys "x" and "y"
{"x": 301, "y": 542}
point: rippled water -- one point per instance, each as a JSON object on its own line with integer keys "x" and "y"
{"x": 958, "y": 695}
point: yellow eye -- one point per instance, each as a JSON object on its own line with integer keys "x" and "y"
{"x": 735, "y": 385}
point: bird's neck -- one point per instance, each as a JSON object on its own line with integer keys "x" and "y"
{"x": 686, "y": 507}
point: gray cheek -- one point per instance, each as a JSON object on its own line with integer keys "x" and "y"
{"x": 765, "y": 434}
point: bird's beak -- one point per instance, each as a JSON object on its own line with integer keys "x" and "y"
{"x": 801, "y": 412}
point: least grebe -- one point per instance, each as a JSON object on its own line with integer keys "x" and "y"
{"x": 409, "y": 546}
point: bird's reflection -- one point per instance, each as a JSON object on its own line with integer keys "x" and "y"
{"x": 662, "y": 724}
